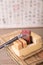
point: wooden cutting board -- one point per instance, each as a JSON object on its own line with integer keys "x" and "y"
{"x": 31, "y": 59}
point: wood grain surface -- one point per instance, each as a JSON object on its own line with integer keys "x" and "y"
{"x": 4, "y": 57}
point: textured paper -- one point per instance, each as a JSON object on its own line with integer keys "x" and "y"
{"x": 21, "y": 13}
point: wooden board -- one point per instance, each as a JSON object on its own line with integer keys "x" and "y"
{"x": 30, "y": 59}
